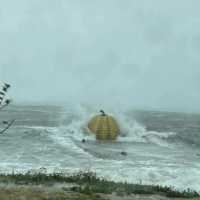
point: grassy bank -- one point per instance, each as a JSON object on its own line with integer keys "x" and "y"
{"x": 84, "y": 185}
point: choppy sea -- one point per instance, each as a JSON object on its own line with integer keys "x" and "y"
{"x": 162, "y": 147}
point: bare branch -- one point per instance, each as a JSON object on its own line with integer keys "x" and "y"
{"x": 7, "y": 127}
{"x": 3, "y": 103}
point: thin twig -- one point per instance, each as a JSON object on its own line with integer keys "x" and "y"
{"x": 7, "y": 127}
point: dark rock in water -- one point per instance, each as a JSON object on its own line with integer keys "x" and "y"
{"x": 123, "y": 153}
{"x": 83, "y": 141}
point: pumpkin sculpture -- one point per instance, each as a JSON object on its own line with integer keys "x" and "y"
{"x": 104, "y": 127}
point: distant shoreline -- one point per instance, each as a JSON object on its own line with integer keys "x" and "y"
{"x": 132, "y": 109}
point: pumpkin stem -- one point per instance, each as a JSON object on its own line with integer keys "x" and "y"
{"x": 102, "y": 113}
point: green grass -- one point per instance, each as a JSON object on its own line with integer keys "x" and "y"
{"x": 88, "y": 183}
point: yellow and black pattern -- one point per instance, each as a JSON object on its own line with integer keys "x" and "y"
{"x": 105, "y": 127}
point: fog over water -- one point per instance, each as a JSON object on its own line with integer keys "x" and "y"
{"x": 133, "y": 53}
{"x": 130, "y": 56}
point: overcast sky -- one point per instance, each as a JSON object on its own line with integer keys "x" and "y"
{"x": 137, "y": 53}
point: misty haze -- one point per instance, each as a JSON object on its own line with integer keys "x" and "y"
{"x": 135, "y": 61}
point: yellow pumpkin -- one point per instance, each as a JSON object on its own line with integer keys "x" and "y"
{"x": 104, "y": 127}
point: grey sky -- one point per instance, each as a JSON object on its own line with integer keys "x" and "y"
{"x": 140, "y": 53}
